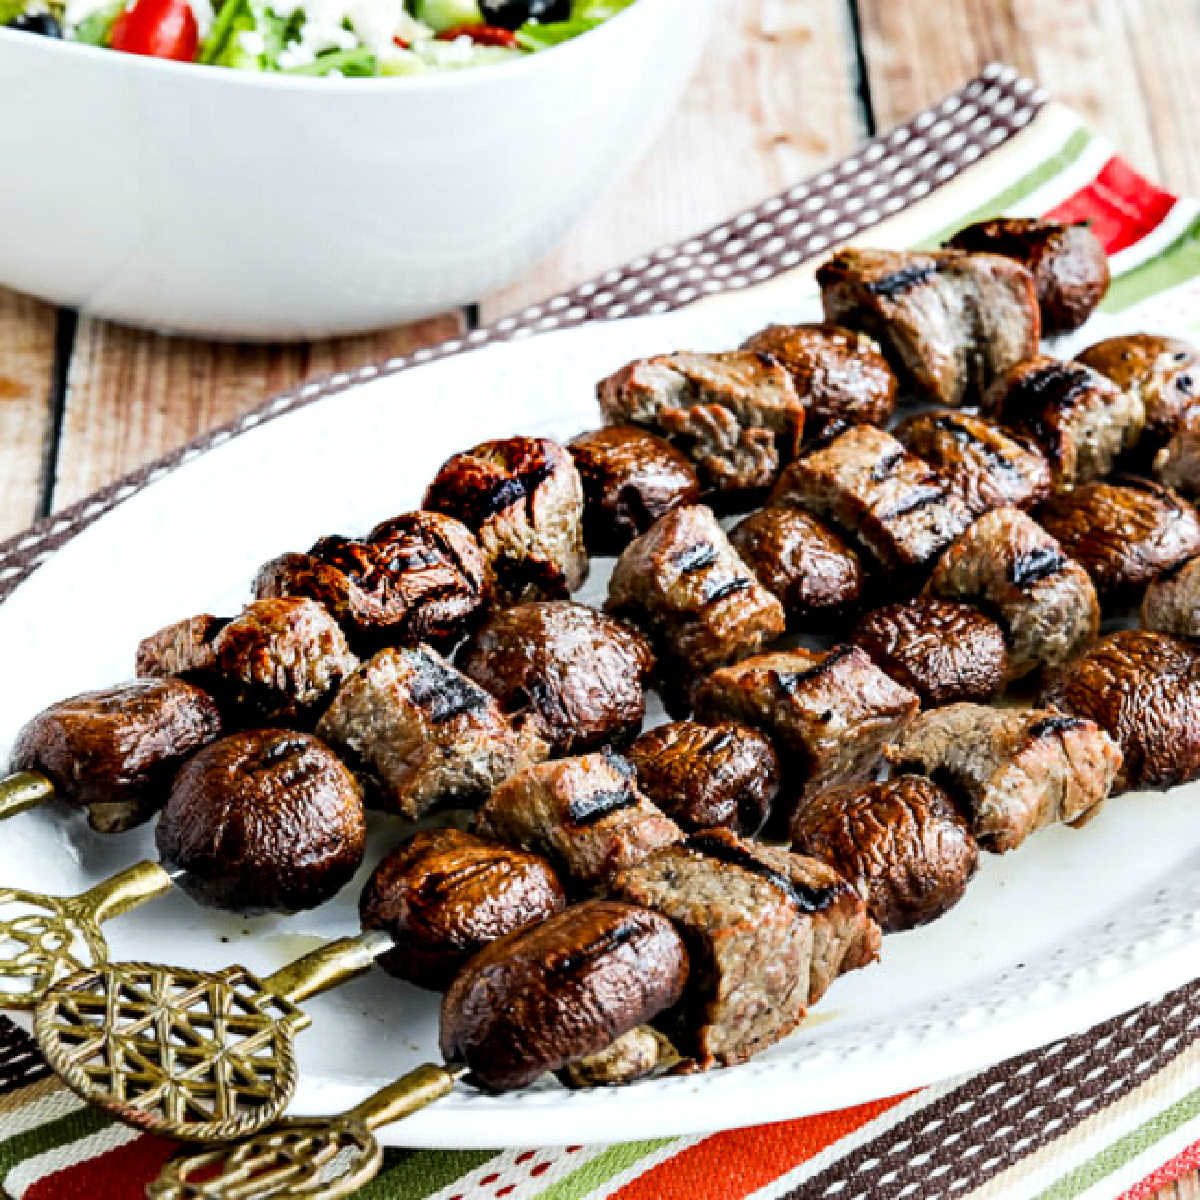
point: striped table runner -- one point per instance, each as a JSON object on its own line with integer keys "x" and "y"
{"x": 1112, "y": 1112}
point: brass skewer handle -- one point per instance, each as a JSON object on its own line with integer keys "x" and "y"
{"x": 44, "y": 939}
{"x": 23, "y": 790}
{"x": 308, "y": 1158}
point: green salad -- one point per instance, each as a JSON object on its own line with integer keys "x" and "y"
{"x": 317, "y": 37}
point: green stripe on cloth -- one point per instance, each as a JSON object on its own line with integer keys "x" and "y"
{"x": 1174, "y": 265}
{"x": 1072, "y": 149}
{"x": 415, "y": 1174}
{"x": 1124, "y": 1149}
{"x": 81, "y": 1123}
{"x": 602, "y": 1168}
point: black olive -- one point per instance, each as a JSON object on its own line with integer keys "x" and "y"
{"x": 42, "y": 23}
{"x": 512, "y": 14}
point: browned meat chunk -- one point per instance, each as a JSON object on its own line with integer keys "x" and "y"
{"x": 736, "y": 415}
{"x": 1177, "y": 464}
{"x": 280, "y": 661}
{"x": 1080, "y": 420}
{"x": 630, "y": 479}
{"x": 1144, "y": 688}
{"x": 684, "y": 584}
{"x": 1014, "y": 570}
{"x": 114, "y": 752}
{"x": 524, "y": 500}
{"x": 902, "y": 844}
{"x": 577, "y": 673}
{"x": 1068, "y": 263}
{"x": 1124, "y": 533}
{"x": 423, "y": 733}
{"x": 184, "y": 649}
{"x": 631, "y": 1057}
{"x": 829, "y": 714}
{"x": 548, "y": 995}
{"x": 1172, "y": 602}
{"x": 815, "y": 575}
{"x": 987, "y": 466}
{"x": 767, "y": 933}
{"x": 584, "y": 814}
{"x": 898, "y": 507}
{"x": 265, "y": 820}
{"x": 443, "y": 895}
{"x": 1162, "y": 372}
{"x": 943, "y": 651}
{"x": 708, "y": 775}
{"x": 949, "y": 322}
{"x": 1012, "y": 770}
{"x": 839, "y": 375}
{"x": 416, "y": 578}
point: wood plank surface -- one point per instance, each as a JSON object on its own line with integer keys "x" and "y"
{"x": 133, "y": 396}
{"x": 27, "y": 335}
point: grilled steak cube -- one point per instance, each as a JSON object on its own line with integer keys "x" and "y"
{"x": 809, "y": 569}
{"x": 708, "y": 775}
{"x": 1068, "y": 263}
{"x": 1080, "y": 420}
{"x": 736, "y": 415}
{"x": 684, "y": 584}
{"x": 1144, "y": 688}
{"x": 839, "y": 375}
{"x": 577, "y": 673}
{"x": 584, "y": 814}
{"x": 1177, "y": 464}
{"x": 523, "y": 499}
{"x": 942, "y": 650}
{"x": 553, "y": 993}
{"x": 114, "y": 752}
{"x": 1172, "y": 602}
{"x": 444, "y": 894}
{"x": 417, "y": 578}
{"x": 1010, "y": 567}
{"x": 828, "y": 714}
{"x": 423, "y": 733}
{"x": 184, "y": 649}
{"x": 987, "y": 466}
{"x": 1011, "y": 770}
{"x": 949, "y": 322}
{"x": 1124, "y": 533}
{"x": 281, "y": 660}
{"x": 902, "y": 844}
{"x": 898, "y": 507}
{"x": 630, "y": 479}
{"x": 767, "y": 933}
{"x": 1162, "y": 372}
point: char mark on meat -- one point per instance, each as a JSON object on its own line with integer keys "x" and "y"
{"x": 589, "y": 808}
{"x": 806, "y": 898}
{"x": 444, "y": 693}
{"x": 1036, "y": 565}
{"x": 903, "y": 280}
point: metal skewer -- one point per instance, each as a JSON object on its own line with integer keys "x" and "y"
{"x": 197, "y": 1055}
{"x": 22, "y": 791}
{"x": 326, "y": 1157}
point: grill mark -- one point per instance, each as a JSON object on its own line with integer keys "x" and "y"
{"x": 442, "y": 693}
{"x": 439, "y": 883}
{"x": 595, "y": 806}
{"x": 806, "y": 899}
{"x": 887, "y": 465}
{"x": 608, "y": 941}
{"x": 695, "y": 558}
{"x": 897, "y": 282}
{"x": 1037, "y": 565}
{"x": 726, "y": 589}
{"x": 790, "y": 684}
{"x": 918, "y": 498}
{"x": 1055, "y": 724}
{"x": 965, "y": 436}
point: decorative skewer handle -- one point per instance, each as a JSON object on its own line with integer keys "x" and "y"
{"x": 328, "y": 966}
{"x": 410, "y": 1093}
{"x": 124, "y": 891}
{"x": 23, "y": 790}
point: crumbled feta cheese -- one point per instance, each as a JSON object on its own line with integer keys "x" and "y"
{"x": 252, "y": 42}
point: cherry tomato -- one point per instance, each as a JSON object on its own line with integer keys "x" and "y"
{"x": 158, "y": 28}
{"x": 481, "y": 35}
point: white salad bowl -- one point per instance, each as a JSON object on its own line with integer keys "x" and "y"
{"x": 229, "y": 204}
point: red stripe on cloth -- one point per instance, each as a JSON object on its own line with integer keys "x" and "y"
{"x": 1121, "y": 205}
{"x": 1166, "y": 1175}
{"x": 736, "y": 1163}
{"x": 121, "y": 1174}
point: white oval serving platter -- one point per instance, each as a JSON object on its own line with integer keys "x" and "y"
{"x": 1074, "y": 927}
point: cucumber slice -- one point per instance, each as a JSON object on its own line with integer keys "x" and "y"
{"x": 446, "y": 14}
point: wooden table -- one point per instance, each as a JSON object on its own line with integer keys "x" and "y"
{"x": 787, "y": 86}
